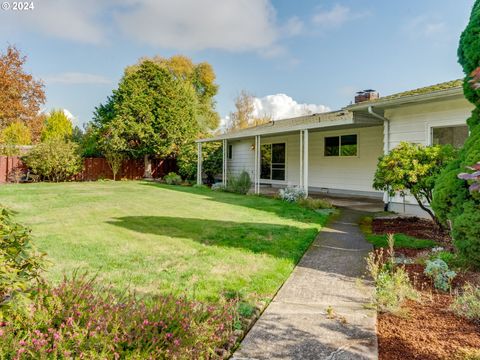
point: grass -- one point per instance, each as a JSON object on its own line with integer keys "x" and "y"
{"x": 402, "y": 241}
{"x": 155, "y": 238}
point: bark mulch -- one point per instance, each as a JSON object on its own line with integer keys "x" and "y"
{"x": 412, "y": 226}
{"x": 428, "y": 330}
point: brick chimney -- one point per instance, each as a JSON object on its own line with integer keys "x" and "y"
{"x": 366, "y": 95}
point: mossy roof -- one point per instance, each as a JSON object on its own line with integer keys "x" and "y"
{"x": 423, "y": 90}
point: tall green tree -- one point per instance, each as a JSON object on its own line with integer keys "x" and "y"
{"x": 17, "y": 133}
{"x": 452, "y": 200}
{"x": 154, "y": 112}
{"x": 201, "y": 76}
{"x": 57, "y": 126}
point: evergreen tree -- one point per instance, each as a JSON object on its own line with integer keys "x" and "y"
{"x": 452, "y": 200}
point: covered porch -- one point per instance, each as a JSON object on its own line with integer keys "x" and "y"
{"x": 330, "y": 154}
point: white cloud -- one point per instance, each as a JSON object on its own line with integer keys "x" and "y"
{"x": 427, "y": 26}
{"x": 235, "y": 25}
{"x": 294, "y": 26}
{"x": 336, "y": 16}
{"x": 282, "y": 106}
{"x": 76, "y": 78}
{"x": 70, "y": 20}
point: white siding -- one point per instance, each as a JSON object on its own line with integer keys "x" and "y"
{"x": 242, "y": 157}
{"x": 335, "y": 173}
{"x": 346, "y": 173}
{"x": 413, "y": 123}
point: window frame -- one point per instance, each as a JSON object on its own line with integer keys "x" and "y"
{"x": 442, "y": 126}
{"x": 340, "y": 146}
{"x": 229, "y": 151}
{"x": 271, "y": 163}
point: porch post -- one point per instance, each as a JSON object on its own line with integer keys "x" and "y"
{"x": 301, "y": 159}
{"x": 305, "y": 162}
{"x": 257, "y": 164}
{"x": 224, "y": 166}
{"x": 199, "y": 163}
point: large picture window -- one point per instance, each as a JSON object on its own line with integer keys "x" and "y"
{"x": 273, "y": 161}
{"x": 344, "y": 145}
{"x": 453, "y": 135}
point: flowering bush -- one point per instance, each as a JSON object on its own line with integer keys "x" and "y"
{"x": 467, "y": 303}
{"x": 473, "y": 178}
{"x": 218, "y": 187}
{"x": 78, "y": 320}
{"x": 291, "y": 193}
{"x": 439, "y": 272}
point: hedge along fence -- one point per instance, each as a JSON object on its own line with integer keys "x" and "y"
{"x": 94, "y": 169}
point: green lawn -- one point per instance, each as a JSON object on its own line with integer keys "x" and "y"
{"x": 158, "y": 238}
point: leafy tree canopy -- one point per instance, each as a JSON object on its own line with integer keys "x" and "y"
{"x": 201, "y": 76}
{"x": 20, "y": 94}
{"x": 57, "y": 126}
{"x": 152, "y": 111}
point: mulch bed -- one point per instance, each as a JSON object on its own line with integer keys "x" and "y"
{"x": 428, "y": 330}
{"x": 412, "y": 226}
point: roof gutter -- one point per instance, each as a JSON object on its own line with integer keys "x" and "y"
{"x": 386, "y": 125}
{"x": 386, "y": 145}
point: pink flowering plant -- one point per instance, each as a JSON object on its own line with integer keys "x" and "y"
{"x": 473, "y": 178}
{"x": 78, "y": 319}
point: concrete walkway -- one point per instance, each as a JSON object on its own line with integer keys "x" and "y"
{"x": 297, "y": 324}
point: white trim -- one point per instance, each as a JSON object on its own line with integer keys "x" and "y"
{"x": 199, "y": 164}
{"x": 305, "y": 165}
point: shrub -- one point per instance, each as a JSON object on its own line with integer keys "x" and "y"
{"x": 54, "y": 160}
{"x": 17, "y": 133}
{"x": 467, "y": 303}
{"x": 20, "y": 262}
{"x": 77, "y": 319}
{"x": 439, "y": 272}
{"x": 291, "y": 193}
{"x": 314, "y": 204}
{"x": 172, "y": 179}
{"x": 466, "y": 234}
{"x": 413, "y": 169}
{"x": 240, "y": 184}
{"x": 218, "y": 187}
{"x": 392, "y": 285}
{"x": 452, "y": 199}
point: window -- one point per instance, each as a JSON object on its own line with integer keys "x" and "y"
{"x": 272, "y": 165}
{"x": 345, "y": 145}
{"x": 230, "y": 152}
{"x": 453, "y": 135}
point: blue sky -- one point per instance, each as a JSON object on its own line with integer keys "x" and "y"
{"x": 316, "y": 52}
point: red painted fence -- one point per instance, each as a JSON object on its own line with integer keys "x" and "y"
{"x": 93, "y": 169}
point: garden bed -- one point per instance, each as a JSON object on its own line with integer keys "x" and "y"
{"x": 411, "y": 226}
{"x": 428, "y": 329}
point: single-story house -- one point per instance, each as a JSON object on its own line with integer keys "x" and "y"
{"x": 336, "y": 153}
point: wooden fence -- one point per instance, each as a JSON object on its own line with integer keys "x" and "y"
{"x": 93, "y": 169}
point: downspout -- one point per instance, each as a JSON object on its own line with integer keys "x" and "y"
{"x": 386, "y": 145}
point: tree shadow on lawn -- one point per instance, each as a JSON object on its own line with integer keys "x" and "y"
{"x": 281, "y": 241}
{"x": 282, "y": 209}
